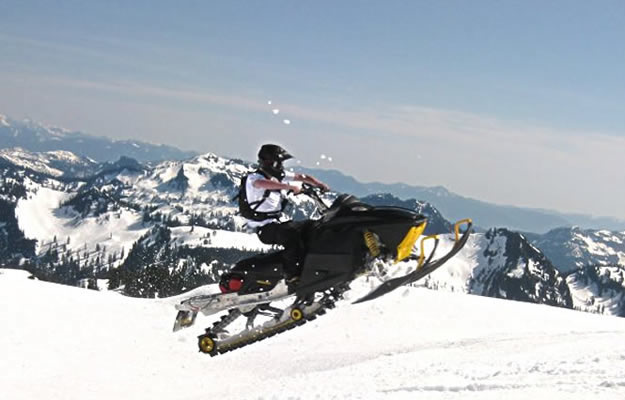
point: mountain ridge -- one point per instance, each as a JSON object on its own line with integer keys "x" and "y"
{"x": 38, "y": 137}
{"x": 33, "y": 136}
{"x": 455, "y": 206}
{"x": 177, "y": 220}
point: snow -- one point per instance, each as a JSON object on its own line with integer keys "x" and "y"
{"x": 595, "y": 248}
{"x": 3, "y": 120}
{"x": 589, "y": 297}
{"x": 205, "y": 237}
{"x": 63, "y": 155}
{"x": 519, "y": 269}
{"x": 29, "y": 160}
{"x": 70, "y": 343}
{"x": 56, "y": 132}
{"x": 40, "y": 218}
{"x": 169, "y": 172}
{"x": 42, "y": 162}
{"x": 198, "y": 171}
{"x": 470, "y": 262}
{"x": 586, "y": 298}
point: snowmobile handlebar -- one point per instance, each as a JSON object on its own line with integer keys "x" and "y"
{"x": 313, "y": 192}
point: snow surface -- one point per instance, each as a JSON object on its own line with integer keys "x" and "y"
{"x": 61, "y": 342}
{"x": 40, "y": 217}
{"x": 471, "y": 261}
{"x": 206, "y": 237}
{"x": 42, "y": 162}
{"x": 594, "y": 247}
{"x": 590, "y": 297}
{"x": 29, "y": 160}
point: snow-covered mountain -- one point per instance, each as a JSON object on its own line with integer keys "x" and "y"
{"x": 573, "y": 248}
{"x": 503, "y": 264}
{"x": 34, "y": 136}
{"x": 599, "y": 288}
{"x": 436, "y": 222}
{"x": 455, "y": 206}
{"x": 37, "y": 137}
{"x": 60, "y": 342}
{"x": 126, "y": 222}
{"x": 56, "y": 164}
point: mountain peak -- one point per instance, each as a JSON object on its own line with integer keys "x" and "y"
{"x": 179, "y": 183}
{"x": 54, "y": 163}
{"x": 440, "y": 191}
{"x": 37, "y": 137}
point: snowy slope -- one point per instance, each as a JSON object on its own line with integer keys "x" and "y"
{"x": 110, "y": 210}
{"x": 573, "y": 248}
{"x": 501, "y": 263}
{"x": 205, "y": 237}
{"x": 69, "y": 343}
{"x": 202, "y": 186}
{"x": 53, "y": 163}
{"x": 599, "y": 288}
{"x": 105, "y": 215}
{"x": 40, "y": 216}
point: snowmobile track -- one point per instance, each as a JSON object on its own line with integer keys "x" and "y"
{"x": 308, "y": 313}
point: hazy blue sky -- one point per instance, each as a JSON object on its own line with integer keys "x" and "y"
{"x": 512, "y": 102}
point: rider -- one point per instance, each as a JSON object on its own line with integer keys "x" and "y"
{"x": 261, "y": 202}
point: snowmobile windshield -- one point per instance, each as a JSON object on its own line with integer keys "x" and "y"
{"x": 344, "y": 204}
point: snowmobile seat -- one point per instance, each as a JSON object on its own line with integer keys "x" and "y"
{"x": 259, "y": 273}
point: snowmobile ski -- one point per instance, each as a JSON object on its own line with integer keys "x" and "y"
{"x": 423, "y": 269}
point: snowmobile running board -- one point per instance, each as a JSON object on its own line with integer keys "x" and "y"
{"x": 423, "y": 268}
{"x": 214, "y": 303}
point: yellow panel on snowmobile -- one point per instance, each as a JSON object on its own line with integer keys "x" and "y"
{"x": 404, "y": 249}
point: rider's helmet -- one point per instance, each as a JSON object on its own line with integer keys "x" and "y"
{"x": 270, "y": 158}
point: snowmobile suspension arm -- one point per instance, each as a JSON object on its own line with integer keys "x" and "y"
{"x": 428, "y": 267}
{"x": 422, "y": 254}
{"x": 458, "y": 224}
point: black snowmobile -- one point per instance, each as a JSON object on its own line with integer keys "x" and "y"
{"x": 349, "y": 240}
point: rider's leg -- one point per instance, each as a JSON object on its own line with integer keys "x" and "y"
{"x": 290, "y": 236}
{"x": 260, "y": 266}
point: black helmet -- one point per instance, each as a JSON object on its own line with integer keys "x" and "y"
{"x": 270, "y": 158}
{"x": 273, "y": 152}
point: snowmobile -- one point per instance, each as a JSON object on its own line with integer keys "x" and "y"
{"x": 350, "y": 239}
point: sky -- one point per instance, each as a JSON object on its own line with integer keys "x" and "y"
{"x": 515, "y": 102}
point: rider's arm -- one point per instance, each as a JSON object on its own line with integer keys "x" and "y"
{"x": 311, "y": 180}
{"x": 273, "y": 185}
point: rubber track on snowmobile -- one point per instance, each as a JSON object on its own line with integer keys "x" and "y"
{"x": 263, "y": 332}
